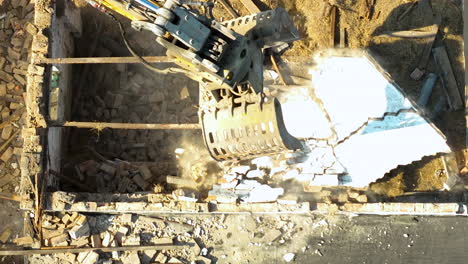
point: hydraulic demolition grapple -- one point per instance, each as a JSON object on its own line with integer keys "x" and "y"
{"x": 226, "y": 58}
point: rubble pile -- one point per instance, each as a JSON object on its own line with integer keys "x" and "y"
{"x": 140, "y": 97}
{"x": 16, "y": 34}
{"x": 115, "y": 177}
{"x": 97, "y": 231}
{"x": 276, "y": 179}
{"x": 202, "y": 233}
{"x": 259, "y": 182}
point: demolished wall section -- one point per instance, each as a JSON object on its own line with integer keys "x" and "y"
{"x": 33, "y": 155}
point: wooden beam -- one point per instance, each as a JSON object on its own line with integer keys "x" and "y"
{"x": 410, "y": 34}
{"x": 333, "y": 12}
{"x": 251, "y": 6}
{"x": 102, "y": 125}
{"x": 275, "y": 66}
{"x": 427, "y": 48}
{"x": 92, "y": 60}
{"x": 45, "y": 251}
{"x": 443, "y": 62}
{"x": 10, "y": 197}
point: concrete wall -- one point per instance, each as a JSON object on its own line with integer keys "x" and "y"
{"x": 66, "y": 24}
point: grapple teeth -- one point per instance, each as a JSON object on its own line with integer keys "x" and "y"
{"x": 241, "y": 134}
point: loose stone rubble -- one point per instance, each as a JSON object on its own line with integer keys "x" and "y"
{"x": 17, "y": 32}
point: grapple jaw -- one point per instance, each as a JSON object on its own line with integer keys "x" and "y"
{"x": 247, "y": 132}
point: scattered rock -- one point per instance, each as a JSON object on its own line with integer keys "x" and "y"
{"x": 288, "y": 257}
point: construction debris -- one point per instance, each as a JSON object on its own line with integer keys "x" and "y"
{"x": 427, "y": 89}
{"x": 394, "y": 115}
{"x": 289, "y": 257}
{"x": 419, "y": 71}
{"x": 114, "y": 176}
{"x": 410, "y": 34}
{"x": 443, "y": 62}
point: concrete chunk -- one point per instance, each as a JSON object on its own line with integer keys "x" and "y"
{"x": 147, "y": 256}
{"x": 80, "y": 242}
{"x": 145, "y": 172}
{"x": 81, "y": 256}
{"x": 131, "y": 258}
{"x": 107, "y": 238}
{"x": 91, "y": 258}
{"x": 131, "y": 241}
{"x": 162, "y": 240}
{"x": 6, "y": 77}
{"x": 20, "y": 79}
{"x": 96, "y": 241}
{"x": 2, "y": 62}
{"x": 107, "y": 168}
{"x": 121, "y": 233}
{"x": 21, "y": 241}
{"x": 174, "y": 261}
{"x": 79, "y": 231}
{"x": 31, "y": 28}
{"x": 68, "y": 257}
{"x": 14, "y": 54}
{"x": 48, "y": 233}
{"x": 180, "y": 182}
{"x": 160, "y": 258}
{"x": 6, "y": 132}
{"x": 7, "y": 154}
{"x": 5, "y": 235}
{"x": 58, "y": 240}
{"x": 138, "y": 180}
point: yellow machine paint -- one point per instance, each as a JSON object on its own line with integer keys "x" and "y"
{"x": 121, "y": 9}
{"x": 132, "y": 15}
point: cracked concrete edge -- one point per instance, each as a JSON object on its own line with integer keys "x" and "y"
{"x": 372, "y": 58}
{"x": 415, "y": 108}
{"x": 57, "y": 203}
{"x": 382, "y": 118}
{"x": 148, "y": 203}
{"x": 369, "y": 55}
{"x": 32, "y": 154}
{"x": 433, "y": 209}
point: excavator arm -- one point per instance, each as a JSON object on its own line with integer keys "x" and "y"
{"x": 238, "y": 120}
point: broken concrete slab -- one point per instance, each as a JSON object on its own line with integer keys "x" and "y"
{"x": 364, "y": 111}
